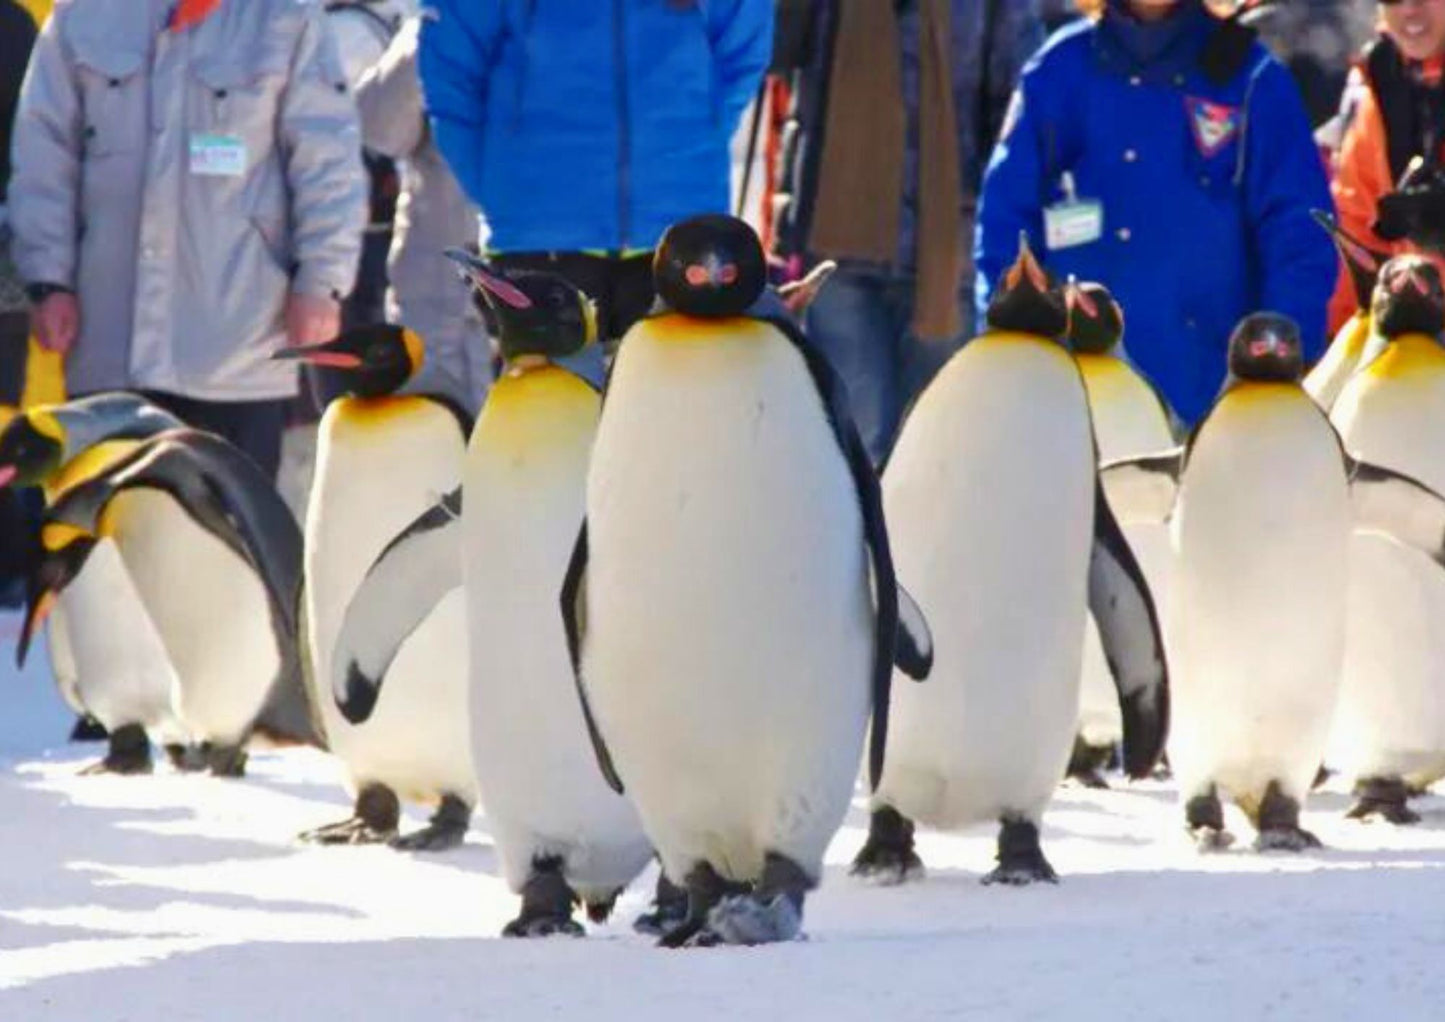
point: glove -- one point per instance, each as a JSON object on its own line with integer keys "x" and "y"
{"x": 1415, "y": 212}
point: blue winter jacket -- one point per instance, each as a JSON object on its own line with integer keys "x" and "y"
{"x": 1206, "y": 192}
{"x": 590, "y": 125}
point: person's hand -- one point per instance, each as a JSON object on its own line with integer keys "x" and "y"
{"x": 311, "y": 320}
{"x": 55, "y": 320}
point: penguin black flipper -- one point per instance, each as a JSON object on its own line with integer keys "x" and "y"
{"x": 574, "y": 620}
{"x": 1143, "y": 489}
{"x": 1398, "y": 506}
{"x": 914, "y": 653}
{"x": 410, "y": 576}
{"x": 875, "y": 534}
{"x": 1128, "y": 624}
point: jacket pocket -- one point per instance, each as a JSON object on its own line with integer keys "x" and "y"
{"x": 112, "y": 95}
{"x": 238, "y": 96}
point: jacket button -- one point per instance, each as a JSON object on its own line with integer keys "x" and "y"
{"x": 1124, "y": 234}
{"x": 1135, "y": 80}
{"x": 1130, "y": 156}
{"x": 1190, "y": 323}
{"x": 115, "y": 83}
{"x": 220, "y": 93}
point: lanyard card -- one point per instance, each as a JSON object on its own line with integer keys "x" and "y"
{"x": 1073, "y": 221}
{"x": 218, "y": 156}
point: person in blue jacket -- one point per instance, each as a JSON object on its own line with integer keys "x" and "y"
{"x": 583, "y": 130}
{"x": 1163, "y": 152}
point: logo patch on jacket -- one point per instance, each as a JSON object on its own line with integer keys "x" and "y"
{"x": 1214, "y": 124}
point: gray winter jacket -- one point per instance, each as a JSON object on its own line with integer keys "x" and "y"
{"x": 432, "y": 215}
{"x": 182, "y": 183}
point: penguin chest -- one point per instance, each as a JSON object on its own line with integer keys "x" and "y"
{"x": 123, "y": 674}
{"x": 989, "y": 497}
{"x": 1129, "y": 419}
{"x": 375, "y": 474}
{"x": 729, "y": 615}
{"x": 525, "y": 487}
{"x": 210, "y": 609}
{"x": 1256, "y": 613}
{"x": 1393, "y": 411}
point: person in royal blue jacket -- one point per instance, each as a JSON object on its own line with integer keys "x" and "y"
{"x": 582, "y": 130}
{"x": 1163, "y": 152}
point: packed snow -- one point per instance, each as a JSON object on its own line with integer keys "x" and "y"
{"x": 183, "y": 897}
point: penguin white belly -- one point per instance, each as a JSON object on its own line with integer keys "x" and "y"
{"x": 62, "y": 657}
{"x": 1391, "y": 720}
{"x": 380, "y": 465}
{"x": 525, "y": 490}
{"x": 123, "y": 674}
{"x": 730, "y": 619}
{"x": 1256, "y": 622}
{"x": 989, "y": 497}
{"x": 1129, "y": 422}
{"x": 209, "y": 608}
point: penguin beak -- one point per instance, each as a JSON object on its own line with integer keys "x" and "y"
{"x": 7, "y": 475}
{"x": 483, "y": 278}
{"x": 40, "y": 606}
{"x": 328, "y": 355}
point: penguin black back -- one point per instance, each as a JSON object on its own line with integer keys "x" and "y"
{"x": 537, "y": 313}
{"x": 1096, "y": 323}
{"x": 1028, "y": 300}
{"x": 710, "y": 267}
{"x": 1265, "y": 348}
{"x": 1409, "y": 298}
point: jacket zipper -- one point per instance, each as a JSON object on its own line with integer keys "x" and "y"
{"x": 624, "y": 129}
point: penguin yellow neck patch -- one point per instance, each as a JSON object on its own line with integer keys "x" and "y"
{"x": 674, "y": 326}
{"x": 1406, "y": 356}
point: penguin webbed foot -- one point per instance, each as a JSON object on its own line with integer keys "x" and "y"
{"x": 547, "y": 901}
{"x": 128, "y": 755}
{"x": 1383, "y": 798}
{"x": 668, "y": 909}
{"x": 88, "y": 729}
{"x": 888, "y": 858}
{"x": 748, "y": 920}
{"x": 1278, "y": 823}
{"x": 446, "y": 830}
{"x": 186, "y": 759}
{"x": 705, "y": 890}
{"x": 1088, "y": 763}
{"x": 1020, "y": 858}
{"x": 373, "y": 820}
{"x": 225, "y": 760}
{"x": 1204, "y": 820}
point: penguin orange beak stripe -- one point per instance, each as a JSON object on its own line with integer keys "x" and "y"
{"x": 7, "y": 475}
{"x": 39, "y": 610}
{"x": 502, "y": 290}
{"x": 318, "y": 355}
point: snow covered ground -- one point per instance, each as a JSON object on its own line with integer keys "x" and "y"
{"x": 181, "y": 897}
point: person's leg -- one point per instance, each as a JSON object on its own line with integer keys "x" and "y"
{"x": 631, "y": 294}
{"x": 919, "y": 359}
{"x": 851, "y": 325}
{"x": 14, "y": 348}
{"x": 255, "y": 427}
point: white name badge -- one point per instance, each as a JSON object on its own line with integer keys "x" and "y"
{"x": 218, "y": 156}
{"x": 1069, "y": 224}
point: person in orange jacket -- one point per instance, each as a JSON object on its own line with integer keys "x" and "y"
{"x": 1394, "y": 109}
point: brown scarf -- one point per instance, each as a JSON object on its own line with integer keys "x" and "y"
{"x": 860, "y": 176}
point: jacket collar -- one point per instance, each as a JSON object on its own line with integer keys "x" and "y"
{"x": 1161, "y": 51}
{"x": 189, "y": 13}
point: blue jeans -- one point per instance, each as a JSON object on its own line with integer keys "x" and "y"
{"x": 860, "y": 321}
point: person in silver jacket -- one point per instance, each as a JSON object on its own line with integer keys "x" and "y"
{"x": 187, "y": 196}
{"x": 432, "y": 215}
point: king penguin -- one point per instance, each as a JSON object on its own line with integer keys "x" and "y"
{"x": 385, "y": 454}
{"x": 1329, "y": 375}
{"x": 562, "y": 835}
{"x": 1263, "y": 500}
{"x": 1002, "y": 532}
{"x": 108, "y": 661}
{"x": 1390, "y": 729}
{"x": 1130, "y": 418}
{"x": 729, "y": 645}
{"x": 215, "y": 557}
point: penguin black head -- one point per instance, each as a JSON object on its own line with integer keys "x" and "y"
{"x": 1409, "y": 298}
{"x": 710, "y": 267}
{"x": 1363, "y": 262}
{"x": 64, "y": 551}
{"x": 1028, "y": 300}
{"x": 539, "y": 314}
{"x": 371, "y": 361}
{"x": 1096, "y": 323}
{"x": 32, "y": 447}
{"x": 1265, "y": 348}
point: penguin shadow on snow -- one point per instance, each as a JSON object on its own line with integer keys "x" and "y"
{"x": 114, "y": 859}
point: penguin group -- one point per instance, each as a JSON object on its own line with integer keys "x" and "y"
{"x": 671, "y": 612}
